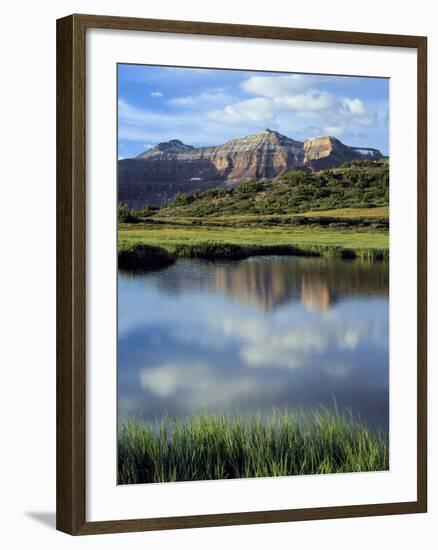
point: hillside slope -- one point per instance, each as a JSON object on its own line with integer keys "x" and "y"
{"x": 360, "y": 184}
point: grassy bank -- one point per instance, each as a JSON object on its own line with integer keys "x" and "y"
{"x": 217, "y": 447}
{"x": 222, "y": 242}
{"x": 141, "y": 257}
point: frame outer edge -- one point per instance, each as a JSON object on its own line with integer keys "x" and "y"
{"x": 238, "y": 30}
{"x": 64, "y": 267}
{"x": 422, "y": 276}
{"x": 71, "y": 275}
{"x": 70, "y": 280}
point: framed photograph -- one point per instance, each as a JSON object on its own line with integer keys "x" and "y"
{"x": 241, "y": 274}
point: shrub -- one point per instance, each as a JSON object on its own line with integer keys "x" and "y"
{"x": 296, "y": 177}
{"x": 144, "y": 257}
{"x": 148, "y": 210}
{"x": 182, "y": 199}
{"x": 126, "y": 215}
{"x": 249, "y": 188}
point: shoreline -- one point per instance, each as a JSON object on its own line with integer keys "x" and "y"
{"x": 147, "y": 257}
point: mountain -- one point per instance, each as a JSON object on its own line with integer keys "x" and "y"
{"x": 169, "y": 168}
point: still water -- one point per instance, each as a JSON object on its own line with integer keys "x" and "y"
{"x": 262, "y": 333}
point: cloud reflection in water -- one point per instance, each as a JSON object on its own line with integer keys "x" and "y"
{"x": 251, "y": 335}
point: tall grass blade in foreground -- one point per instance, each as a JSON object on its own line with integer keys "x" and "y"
{"x": 206, "y": 447}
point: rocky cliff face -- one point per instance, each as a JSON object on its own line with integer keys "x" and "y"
{"x": 327, "y": 152}
{"x": 156, "y": 176}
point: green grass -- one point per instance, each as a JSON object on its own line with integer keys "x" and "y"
{"x": 378, "y": 211}
{"x": 239, "y": 242}
{"x": 314, "y": 220}
{"x": 358, "y": 216}
{"x": 206, "y": 447}
{"x": 169, "y": 235}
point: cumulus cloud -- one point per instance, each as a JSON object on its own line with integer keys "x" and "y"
{"x": 282, "y": 98}
{"x": 258, "y": 110}
{"x": 312, "y": 101}
{"x": 156, "y": 94}
{"x": 355, "y": 111}
{"x": 265, "y": 110}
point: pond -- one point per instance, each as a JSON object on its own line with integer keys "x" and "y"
{"x": 264, "y": 333}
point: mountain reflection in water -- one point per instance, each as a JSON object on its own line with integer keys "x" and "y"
{"x": 269, "y": 331}
{"x": 269, "y": 281}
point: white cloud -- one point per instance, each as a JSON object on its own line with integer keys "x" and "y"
{"x": 167, "y": 379}
{"x": 156, "y": 94}
{"x": 310, "y": 102}
{"x": 258, "y": 110}
{"x": 354, "y": 110}
{"x": 209, "y": 96}
{"x": 161, "y": 381}
{"x": 198, "y": 385}
{"x": 277, "y": 86}
{"x": 353, "y": 106}
{"x": 264, "y": 110}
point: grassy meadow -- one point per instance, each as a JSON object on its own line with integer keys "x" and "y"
{"x": 233, "y": 239}
{"x": 170, "y": 234}
{"x": 206, "y": 447}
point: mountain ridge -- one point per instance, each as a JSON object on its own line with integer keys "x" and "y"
{"x": 158, "y": 174}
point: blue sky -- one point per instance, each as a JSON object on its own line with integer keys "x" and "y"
{"x": 211, "y": 106}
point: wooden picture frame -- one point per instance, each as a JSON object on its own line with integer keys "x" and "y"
{"x": 71, "y": 274}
